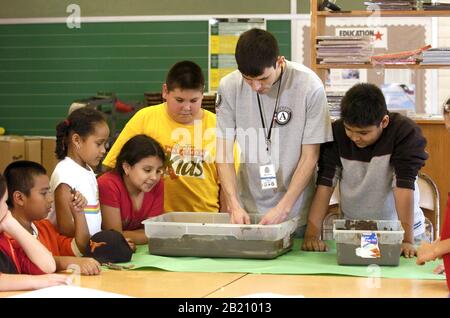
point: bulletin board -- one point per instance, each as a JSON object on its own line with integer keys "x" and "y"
{"x": 223, "y": 36}
{"x": 400, "y": 37}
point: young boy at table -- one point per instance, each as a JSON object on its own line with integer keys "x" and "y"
{"x": 376, "y": 156}
{"x": 30, "y": 201}
{"x": 24, "y": 261}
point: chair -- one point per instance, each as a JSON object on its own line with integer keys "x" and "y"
{"x": 429, "y": 203}
{"x": 333, "y": 213}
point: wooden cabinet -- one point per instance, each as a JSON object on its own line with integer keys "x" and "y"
{"x": 438, "y": 164}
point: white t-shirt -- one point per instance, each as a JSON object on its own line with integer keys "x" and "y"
{"x": 302, "y": 119}
{"x": 71, "y": 173}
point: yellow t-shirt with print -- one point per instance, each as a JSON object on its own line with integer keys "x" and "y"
{"x": 191, "y": 182}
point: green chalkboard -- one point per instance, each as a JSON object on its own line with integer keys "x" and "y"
{"x": 44, "y": 67}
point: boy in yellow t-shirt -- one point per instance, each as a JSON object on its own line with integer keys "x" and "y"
{"x": 187, "y": 134}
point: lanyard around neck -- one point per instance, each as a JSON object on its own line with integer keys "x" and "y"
{"x": 268, "y": 134}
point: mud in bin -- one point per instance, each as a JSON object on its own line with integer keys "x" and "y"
{"x": 204, "y": 234}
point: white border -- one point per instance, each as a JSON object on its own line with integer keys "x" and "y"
{"x": 145, "y": 18}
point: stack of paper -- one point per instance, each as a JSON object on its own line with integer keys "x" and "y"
{"x": 440, "y": 55}
{"x": 334, "y": 103}
{"x": 436, "y": 6}
{"x": 391, "y": 5}
{"x": 343, "y": 50}
{"x": 69, "y": 291}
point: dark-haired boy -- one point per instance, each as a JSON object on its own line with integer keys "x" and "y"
{"x": 30, "y": 201}
{"x": 187, "y": 135}
{"x": 375, "y": 156}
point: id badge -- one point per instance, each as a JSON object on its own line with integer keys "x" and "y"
{"x": 268, "y": 177}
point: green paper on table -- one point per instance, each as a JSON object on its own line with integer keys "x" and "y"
{"x": 294, "y": 262}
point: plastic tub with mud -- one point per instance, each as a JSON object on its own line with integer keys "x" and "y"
{"x": 204, "y": 234}
{"x": 368, "y": 242}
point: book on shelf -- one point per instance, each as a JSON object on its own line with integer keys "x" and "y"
{"x": 332, "y": 49}
{"x": 391, "y": 5}
{"x": 435, "y": 6}
{"x": 325, "y": 43}
{"x": 403, "y": 57}
{"x": 438, "y": 55}
{"x": 397, "y": 61}
{"x": 342, "y": 38}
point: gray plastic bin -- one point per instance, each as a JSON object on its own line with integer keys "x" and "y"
{"x": 206, "y": 234}
{"x": 347, "y": 234}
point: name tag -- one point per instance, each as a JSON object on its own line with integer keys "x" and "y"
{"x": 268, "y": 177}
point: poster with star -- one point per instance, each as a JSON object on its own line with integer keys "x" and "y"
{"x": 378, "y": 35}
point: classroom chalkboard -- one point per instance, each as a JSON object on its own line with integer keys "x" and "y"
{"x": 44, "y": 67}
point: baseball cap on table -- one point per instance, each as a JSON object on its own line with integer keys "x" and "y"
{"x": 109, "y": 246}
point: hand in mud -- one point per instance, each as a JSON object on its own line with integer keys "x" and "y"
{"x": 239, "y": 216}
{"x": 273, "y": 216}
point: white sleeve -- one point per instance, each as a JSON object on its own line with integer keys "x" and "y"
{"x": 318, "y": 123}
{"x": 61, "y": 174}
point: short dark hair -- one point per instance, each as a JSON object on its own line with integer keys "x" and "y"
{"x": 20, "y": 175}
{"x": 2, "y": 186}
{"x": 138, "y": 148}
{"x": 363, "y": 105}
{"x": 256, "y": 50}
{"x": 81, "y": 121}
{"x": 185, "y": 75}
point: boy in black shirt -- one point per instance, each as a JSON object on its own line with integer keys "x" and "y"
{"x": 375, "y": 156}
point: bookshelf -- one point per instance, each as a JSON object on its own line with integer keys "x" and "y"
{"x": 318, "y": 23}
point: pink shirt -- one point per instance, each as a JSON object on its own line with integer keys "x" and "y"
{"x": 112, "y": 192}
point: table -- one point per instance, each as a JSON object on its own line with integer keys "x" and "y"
{"x": 332, "y": 286}
{"x": 224, "y": 285}
{"x": 155, "y": 283}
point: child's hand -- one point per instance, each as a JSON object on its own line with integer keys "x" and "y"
{"x": 408, "y": 250}
{"x": 131, "y": 244}
{"x": 88, "y": 266}
{"x": 49, "y": 280}
{"x": 440, "y": 269}
{"x": 78, "y": 203}
{"x": 426, "y": 253}
{"x": 314, "y": 244}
